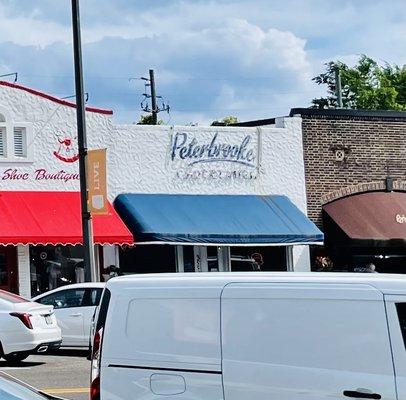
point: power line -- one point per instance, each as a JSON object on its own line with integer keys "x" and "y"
{"x": 214, "y": 109}
{"x": 74, "y": 96}
{"x": 15, "y": 74}
{"x": 180, "y": 78}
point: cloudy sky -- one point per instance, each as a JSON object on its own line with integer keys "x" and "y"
{"x": 248, "y": 58}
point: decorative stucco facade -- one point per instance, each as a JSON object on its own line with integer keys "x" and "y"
{"x": 148, "y": 159}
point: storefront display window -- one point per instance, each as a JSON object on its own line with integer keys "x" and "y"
{"x": 258, "y": 258}
{"x": 224, "y": 258}
{"x": 212, "y": 259}
{"x": 8, "y": 269}
{"x": 54, "y": 266}
{"x": 144, "y": 259}
{"x": 188, "y": 258}
{"x": 3, "y": 270}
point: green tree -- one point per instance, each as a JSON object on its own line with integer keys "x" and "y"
{"x": 147, "y": 120}
{"x": 367, "y": 85}
{"x": 225, "y": 121}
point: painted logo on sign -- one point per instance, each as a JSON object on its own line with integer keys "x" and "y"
{"x": 215, "y": 156}
{"x": 67, "y": 150}
{"x": 400, "y": 218}
{"x": 194, "y": 152}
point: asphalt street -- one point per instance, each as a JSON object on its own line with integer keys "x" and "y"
{"x": 64, "y": 373}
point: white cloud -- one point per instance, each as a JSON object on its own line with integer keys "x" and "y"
{"x": 27, "y": 30}
{"x": 251, "y": 58}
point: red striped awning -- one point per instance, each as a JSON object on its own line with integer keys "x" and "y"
{"x": 54, "y": 218}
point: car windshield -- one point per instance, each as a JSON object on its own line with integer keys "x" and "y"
{"x": 12, "y": 389}
{"x": 12, "y": 298}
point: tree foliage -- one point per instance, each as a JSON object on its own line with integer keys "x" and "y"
{"x": 367, "y": 85}
{"x": 225, "y": 121}
{"x": 148, "y": 120}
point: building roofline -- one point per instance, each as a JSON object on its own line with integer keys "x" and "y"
{"x": 53, "y": 98}
{"x": 333, "y": 113}
{"x": 259, "y": 122}
{"x": 345, "y": 113}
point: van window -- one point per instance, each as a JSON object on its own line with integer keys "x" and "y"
{"x": 307, "y": 332}
{"x": 104, "y": 305}
{"x": 401, "y": 308}
{"x": 93, "y": 296}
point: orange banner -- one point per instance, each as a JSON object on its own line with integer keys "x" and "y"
{"x": 97, "y": 182}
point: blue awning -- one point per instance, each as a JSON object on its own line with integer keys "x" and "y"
{"x": 216, "y": 219}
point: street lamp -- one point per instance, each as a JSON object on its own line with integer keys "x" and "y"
{"x": 88, "y": 246}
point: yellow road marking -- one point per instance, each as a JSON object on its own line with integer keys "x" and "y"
{"x": 65, "y": 390}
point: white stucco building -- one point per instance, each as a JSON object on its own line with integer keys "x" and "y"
{"x": 166, "y": 165}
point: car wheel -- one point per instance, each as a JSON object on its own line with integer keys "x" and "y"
{"x": 15, "y": 358}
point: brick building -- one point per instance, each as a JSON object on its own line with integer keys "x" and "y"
{"x": 355, "y": 170}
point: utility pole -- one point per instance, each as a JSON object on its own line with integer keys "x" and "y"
{"x": 155, "y": 108}
{"x": 153, "y": 97}
{"x": 88, "y": 247}
{"x": 338, "y": 87}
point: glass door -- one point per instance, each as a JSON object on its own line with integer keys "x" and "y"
{"x": 203, "y": 258}
{"x": 8, "y": 269}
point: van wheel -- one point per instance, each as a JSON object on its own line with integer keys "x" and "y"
{"x": 15, "y": 358}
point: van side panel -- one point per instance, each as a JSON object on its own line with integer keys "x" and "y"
{"x": 304, "y": 342}
{"x": 397, "y": 326}
{"x": 162, "y": 342}
{"x": 146, "y": 384}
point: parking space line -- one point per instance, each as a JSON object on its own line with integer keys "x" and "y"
{"x": 65, "y": 390}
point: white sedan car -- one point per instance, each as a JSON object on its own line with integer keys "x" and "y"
{"x": 74, "y": 306}
{"x": 26, "y": 328}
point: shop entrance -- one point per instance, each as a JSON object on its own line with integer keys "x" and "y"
{"x": 8, "y": 269}
{"x": 235, "y": 258}
{"x": 191, "y": 258}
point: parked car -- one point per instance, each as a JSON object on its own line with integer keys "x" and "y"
{"x": 26, "y": 328}
{"x": 14, "y": 389}
{"x": 74, "y": 307}
{"x": 242, "y": 336}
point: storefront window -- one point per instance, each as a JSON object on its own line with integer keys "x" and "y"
{"x": 3, "y": 270}
{"x": 212, "y": 259}
{"x": 54, "y": 266}
{"x": 258, "y": 258}
{"x": 188, "y": 258}
{"x": 199, "y": 259}
{"x": 145, "y": 259}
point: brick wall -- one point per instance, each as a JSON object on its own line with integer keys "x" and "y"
{"x": 373, "y": 148}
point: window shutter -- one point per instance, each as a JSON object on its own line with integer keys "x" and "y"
{"x": 20, "y": 142}
{"x": 2, "y": 142}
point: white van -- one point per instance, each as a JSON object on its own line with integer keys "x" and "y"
{"x": 245, "y": 336}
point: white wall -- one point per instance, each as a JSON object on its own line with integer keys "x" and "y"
{"x": 140, "y": 157}
{"x": 24, "y": 273}
{"x": 50, "y": 122}
{"x": 142, "y": 162}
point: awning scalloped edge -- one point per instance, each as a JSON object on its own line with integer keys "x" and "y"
{"x": 125, "y": 243}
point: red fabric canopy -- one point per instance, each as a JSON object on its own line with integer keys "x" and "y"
{"x": 374, "y": 215}
{"x": 54, "y": 218}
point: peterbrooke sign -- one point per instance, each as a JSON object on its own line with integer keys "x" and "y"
{"x": 214, "y": 155}
{"x": 214, "y": 151}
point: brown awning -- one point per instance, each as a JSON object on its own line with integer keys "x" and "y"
{"x": 375, "y": 217}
